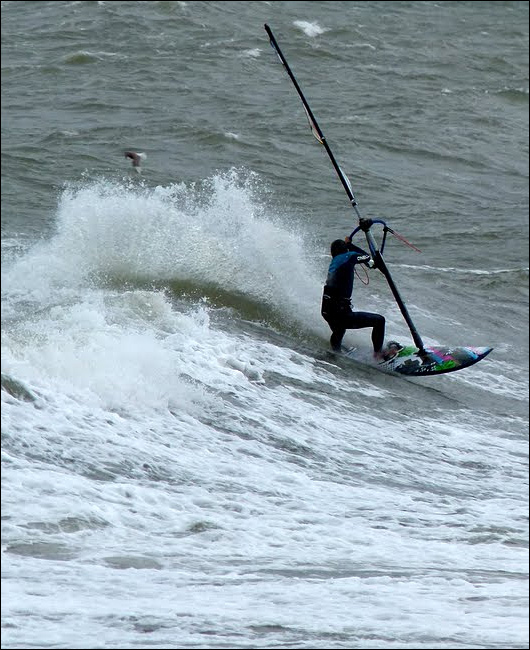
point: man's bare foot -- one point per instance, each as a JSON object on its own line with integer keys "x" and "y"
{"x": 388, "y": 352}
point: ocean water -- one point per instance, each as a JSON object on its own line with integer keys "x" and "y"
{"x": 184, "y": 464}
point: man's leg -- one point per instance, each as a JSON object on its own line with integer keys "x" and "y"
{"x": 334, "y": 318}
{"x": 336, "y": 338}
{"x": 360, "y": 319}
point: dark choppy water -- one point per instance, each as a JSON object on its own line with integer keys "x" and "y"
{"x": 184, "y": 466}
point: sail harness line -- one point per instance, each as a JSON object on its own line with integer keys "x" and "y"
{"x": 364, "y": 224}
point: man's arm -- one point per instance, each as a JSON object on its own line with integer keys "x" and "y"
{"x": 362, "y": 256}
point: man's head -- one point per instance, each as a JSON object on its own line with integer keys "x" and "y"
{"x": 338, "y": 247}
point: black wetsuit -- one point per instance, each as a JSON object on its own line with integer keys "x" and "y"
{"x": 336, "y": 300}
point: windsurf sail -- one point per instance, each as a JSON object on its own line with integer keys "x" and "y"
{"x": 365, "y": 225}
{"x": 315, "y": 128}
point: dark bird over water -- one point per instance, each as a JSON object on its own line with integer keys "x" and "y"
{"x": 136, "y": 158}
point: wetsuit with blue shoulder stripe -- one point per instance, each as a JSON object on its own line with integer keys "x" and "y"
{"x": 339, "y": 282}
